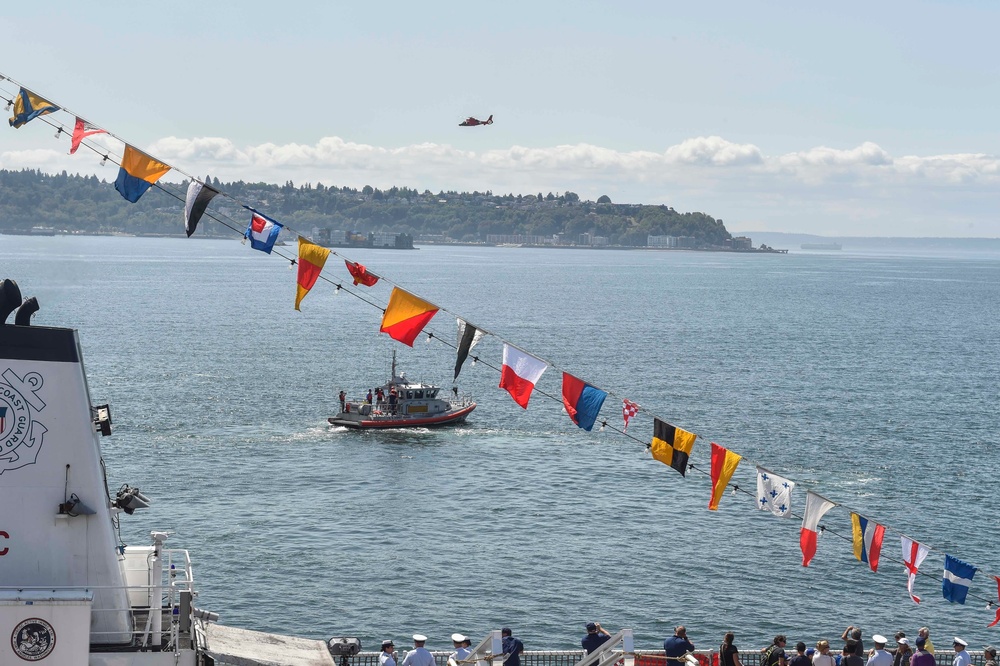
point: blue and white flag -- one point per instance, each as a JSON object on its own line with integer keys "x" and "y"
{"x": 262, "y": 232}
{"x": 774, "y": 493}
{"x": 957, "y": 579}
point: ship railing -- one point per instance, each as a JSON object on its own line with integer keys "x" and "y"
{"x": 176, "y": 607}
{"x": 749, "y": 657}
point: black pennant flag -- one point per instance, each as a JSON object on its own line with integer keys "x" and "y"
{"x": 468, "y": 336}
{"x": 198, "y": 196}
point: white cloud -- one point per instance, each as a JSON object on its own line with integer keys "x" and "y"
{"x": 714, "y": 151}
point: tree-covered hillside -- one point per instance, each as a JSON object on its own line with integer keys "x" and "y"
{"x": 87, "y": 204}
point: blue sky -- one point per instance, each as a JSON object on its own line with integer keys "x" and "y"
{"x": 847, "y": 119}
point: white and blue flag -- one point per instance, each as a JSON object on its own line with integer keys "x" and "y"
{"x": 957, "y": 579}
{"x": 774, "y": 493}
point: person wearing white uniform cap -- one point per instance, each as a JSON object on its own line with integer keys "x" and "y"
{"x": 880, "y": 656}
{"x": 461, "y": 652}
{"x": 388, "y": 655}
{"x": 419, "y": 655}
{"x": 962, "y": 657}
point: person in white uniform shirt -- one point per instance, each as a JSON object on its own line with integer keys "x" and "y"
{"x": 962, "y": 657}
{"x": 388, "y": 656}
{"x": 880, "y": 656}
{"x": 419, "y": 655}
{"x": 461, "y": 651}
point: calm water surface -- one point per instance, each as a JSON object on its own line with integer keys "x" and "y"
{"x": 870, "y": 378}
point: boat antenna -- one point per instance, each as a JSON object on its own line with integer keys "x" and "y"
{"x": 393, "y": 366}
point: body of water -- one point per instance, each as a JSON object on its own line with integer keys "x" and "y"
{"x": 870, "y": 378}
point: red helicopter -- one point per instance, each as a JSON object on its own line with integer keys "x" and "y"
{"x": 472, "y": 122}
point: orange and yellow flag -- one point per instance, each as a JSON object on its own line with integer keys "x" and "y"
{"x": 406, "y": 315}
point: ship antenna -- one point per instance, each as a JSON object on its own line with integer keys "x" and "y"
{"x": 393, "y": 366}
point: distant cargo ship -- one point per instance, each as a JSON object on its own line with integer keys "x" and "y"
{"x": 821, "y": 246}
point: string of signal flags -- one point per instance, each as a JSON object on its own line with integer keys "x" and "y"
{"x": 406, "y": 316}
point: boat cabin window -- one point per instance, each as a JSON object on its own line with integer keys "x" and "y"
{"x": 409, "y": 395}
{"x": 432, "y": 393}
{"x": 418, "y": 394}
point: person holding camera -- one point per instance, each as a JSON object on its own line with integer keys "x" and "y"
{"x": 595, "y": 638}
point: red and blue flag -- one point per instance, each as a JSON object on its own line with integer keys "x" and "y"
{"x": 582, "y": 401}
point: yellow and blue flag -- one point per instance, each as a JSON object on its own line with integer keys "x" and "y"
{"x": 867, "y": 539}
{"x": 137, "y": 173}
{"x": 28, "y": 106}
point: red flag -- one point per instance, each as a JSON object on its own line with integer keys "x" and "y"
{"x": 996, "y": 621}
{"x": 629, "y": 409}
{"x": 81, "y": 131}
{"x": 361, "y": 274}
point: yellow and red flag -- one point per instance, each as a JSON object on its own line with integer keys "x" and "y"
{"x": 724, "y": 463}
{"x": 406, "y": 315}
{"x": 312, "y": 258}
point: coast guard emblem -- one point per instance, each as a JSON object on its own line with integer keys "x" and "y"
{"x": 33, "y": 640}
{"x": 20, "y": 434}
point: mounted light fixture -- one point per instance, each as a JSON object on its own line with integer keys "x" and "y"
{"x": 74, "y": 506}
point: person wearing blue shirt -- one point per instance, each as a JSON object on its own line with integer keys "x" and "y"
{"x": 677, "y": 646}
{"x": 512, "y": 647}
{"x": 595, "y": 638}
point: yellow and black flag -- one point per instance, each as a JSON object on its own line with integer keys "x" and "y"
{"x": 672, "y": 445}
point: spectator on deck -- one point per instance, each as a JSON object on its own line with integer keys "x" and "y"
{"x": 774, "y": 654}
{"x": 903, "y": 652}
{"x": 419, "y": 655}
{"x": 823, "y": 656}
{"x": 925, "y": 633}
{"x": 879, "y": 656}
{"x": 512, "y": 647}
{"x": 595, "y": 638}
{"x": 388, "y": 656}
{"x": 962, "y": 657}
{"x": 852, "y": 636}
{"x": 677, "y": 646}
{"x": 728, "y": 654}
{"x": 461, "y": 652}
{"x": 849, "y": 658}
{"x": 800, "y": 658}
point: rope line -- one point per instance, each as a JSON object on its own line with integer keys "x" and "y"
{"x": 230, "y": 223}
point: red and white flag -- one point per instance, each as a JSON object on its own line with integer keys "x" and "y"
{"x": 521, "y": 371}
{"x": 81, "y": 131}
{"x": 629, "y": 409}
{"x": 816, "y": 507}
{"x": 913, "y": 556}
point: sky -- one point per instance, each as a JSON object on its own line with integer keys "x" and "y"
{"x": 840, "y": 119}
